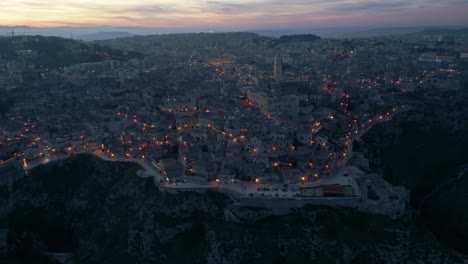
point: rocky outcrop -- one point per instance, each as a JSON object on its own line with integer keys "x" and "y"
{"x": 102, "y": 213}
{"x": 243, "y": 214}
{"x": 360, "y": 161}
{"x": 423, "y": 150}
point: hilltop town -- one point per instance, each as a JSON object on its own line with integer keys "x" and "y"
{"x": 263, "y": 119}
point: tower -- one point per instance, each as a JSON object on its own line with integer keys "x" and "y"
{"x": 277, "y": 67}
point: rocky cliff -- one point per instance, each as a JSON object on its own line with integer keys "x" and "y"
{"x": 425, "y": 150}
{"x": 101, "y": 212}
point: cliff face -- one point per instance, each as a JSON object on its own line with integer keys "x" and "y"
{"x": 424, "y": 151}
{"x": 101, "y": 212}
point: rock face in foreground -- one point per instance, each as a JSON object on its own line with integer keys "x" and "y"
{"x": 101, "y": 212}
{"x": 425, "y": 150}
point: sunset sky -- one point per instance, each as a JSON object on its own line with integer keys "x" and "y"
{"x": 233, "y": 14}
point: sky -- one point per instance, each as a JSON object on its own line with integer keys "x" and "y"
{"x": 241, "y": 14}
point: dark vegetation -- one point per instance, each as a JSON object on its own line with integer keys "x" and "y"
{"x": 102, "y": 213}
{"x": 55, "y": 52}
{"x": 30, "y": 225}
{"x": 292, "y": 38}
{"x": 88, "y": 207}
{"x": 445, "y": 212}
{"x": 424, "y": 150}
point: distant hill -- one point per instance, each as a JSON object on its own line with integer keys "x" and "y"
{"x": 379, "y": 32}
{"x": 292, "y": 38}
{"x": 105, "y": 35}
{"x": 443, "y": 33}
{"x": 88, "y": 33}
{"x": 110, "y": 32}
{"x": 405, "y": 32}
{"x": 55, "y": 52}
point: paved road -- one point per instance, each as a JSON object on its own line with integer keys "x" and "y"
{"x": 242, "y": 189}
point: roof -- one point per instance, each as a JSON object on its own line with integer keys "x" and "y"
{"x": 172, "y": 167}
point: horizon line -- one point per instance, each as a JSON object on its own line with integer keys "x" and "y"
{"x": 294, "y": 27}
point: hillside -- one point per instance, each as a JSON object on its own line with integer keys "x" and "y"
{"x": 55, "y": 52}
{"x": 424, "y": 150}
{"x": 102, "y": 213}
